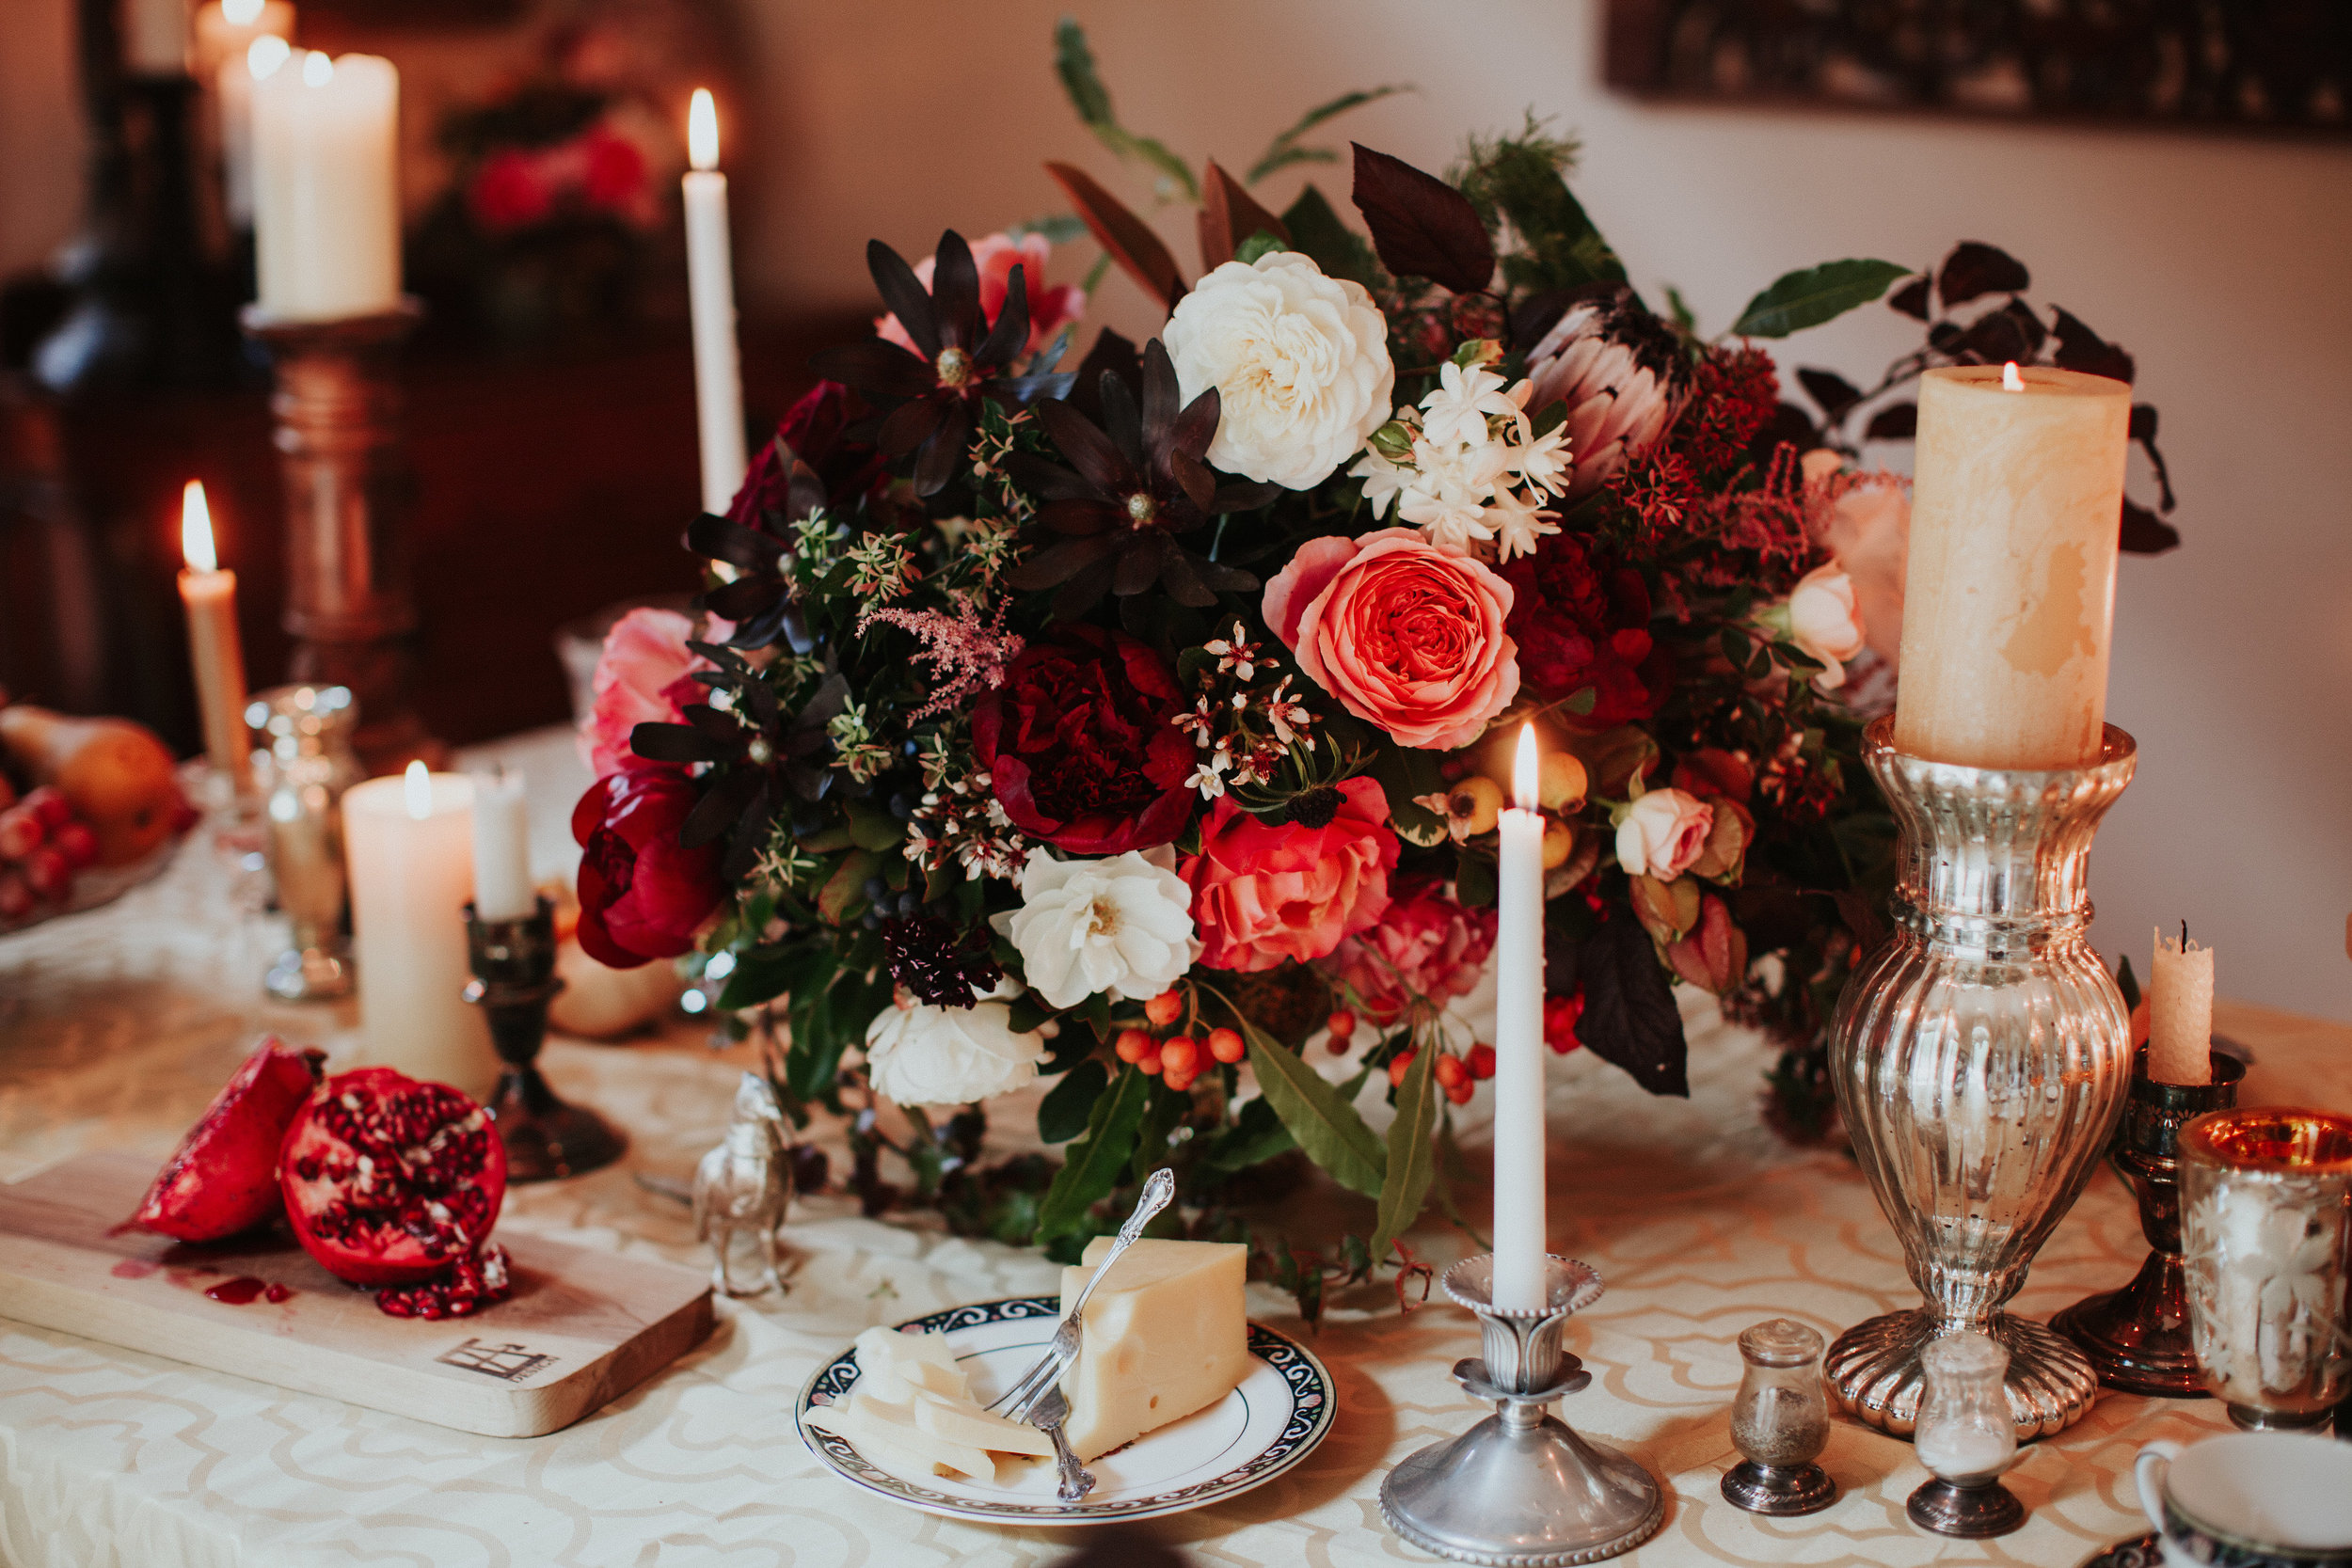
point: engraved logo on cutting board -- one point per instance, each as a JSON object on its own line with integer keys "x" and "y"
{"x": 510, "y": 1362}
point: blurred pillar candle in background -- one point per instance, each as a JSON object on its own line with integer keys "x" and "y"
{"x": 155, "y": 37}
{"x": 710, "y": 285}
{"x": 230, "y": 52}
{"x": 327, "y": 187}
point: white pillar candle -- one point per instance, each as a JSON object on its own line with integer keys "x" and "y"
{"x": 710, "y": 292}
{"x": 236, "y": 42}
{"x": 1519, "y": 1218}
{"x": 501, "y": 848}
{"x": 327, "y": 187}
{"x": 409, "y": 844}
{"x": 2180, "y": 1012}
{"x": 209, "y": 595}
{"x": 155, "y": 37}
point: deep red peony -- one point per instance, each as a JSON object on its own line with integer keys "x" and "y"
{"x": 1080, "y": 743}
{"x": 642, "y": 896}
{"x": 813, "y": 431}
{"x": 1581, "y": 620}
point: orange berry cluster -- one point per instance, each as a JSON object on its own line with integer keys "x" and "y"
{"x": 1180, "y": 1057}
{"x": 1458, "y": 1076}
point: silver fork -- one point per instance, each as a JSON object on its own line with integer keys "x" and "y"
{"x": 1063, "y": 1349}
{"x": 1047, "y": 1412}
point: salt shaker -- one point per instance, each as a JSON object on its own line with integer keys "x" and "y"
{"x": 1967, "y": 1437}
{"x": 304, "y": 762}
{"x": 741, "y": 1191}
{"x": 1780, "y": 1422}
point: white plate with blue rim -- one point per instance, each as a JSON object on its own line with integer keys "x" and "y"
{"x": 1270, "y": 1421}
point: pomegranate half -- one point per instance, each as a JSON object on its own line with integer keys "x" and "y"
{"x": 223, "y": 1177}
{"x": 390, "y": 1180}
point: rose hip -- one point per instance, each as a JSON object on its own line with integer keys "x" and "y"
{"x": 1341, "y": 1025}
{"x": 1181, "y": 1057}
{"x": 1227, "y": 1045}
{"x": 50, "y": 873}
{"x": 1482, "y": 1060}
{"x": 54, "y": 809}
{"x": 1164, "y": 1009}
{"x": 1398, "y": 1064}
{"x": 1461, "y": 1092}
{"x": 1132, "y": 1045}
{"x": 1149, "y": 1066}
{"x": 1449, "y": 1070}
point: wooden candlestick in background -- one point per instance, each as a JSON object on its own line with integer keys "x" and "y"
{"x": 2009, "y": 596}
{"x": 210, "y": 596}
{"x": 2180, "y": 1012}
{"x": 710, "y": 292}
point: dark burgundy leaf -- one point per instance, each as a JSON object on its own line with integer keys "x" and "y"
{"x": 1831, "y": 391}
{"x": 1897, "y": 421}
{"x": 1048, "y": 478}
{"x": 1030, "y": 388}
{"x": 1630, "y": 1018}
{"x": 731, "y": 541}
{"x": 1083, "y": 515}
{"x": 1140, "y": 564}
{"x": 675, "y": 743}
{"x": 956, "y": 293}
{"x": 1061, "y": 561}
{"x": 2143, "y": 430}
{"x": 1183, "y": 584}
{"x": 1010, "y": 336}
{"x": 1196, "y": 427}
{"x": 1161, "y": 396}
{"x": 1421, "y": 225}
{"x": 874, "y": 365}
{"x": 1911, "y": 299}
{"x": 1943, "y": 335}
{"x": 1228, "y": 216}
{"x": 1228, "y": 579}
{"x": 733, "y": 601}
{"x": 1193, "y": 477}
{"x": 909, "y": 426}
{"x": 1127, "y": 237}
{"x": 2081, "y": 349}
{"x": 1992, "y": 340}
{"x": 1088, "y": 450}
{"x": 1082, "y": 592}
{"x": 943, "y": 455}
{"x": 1246, "y": 495}
{"x": 1112, "y": 355}
{"x": 719, "y": 806}
{"x": 1975, "y": 268}
{"x": 752, "y": 831}
{"x": 2145, "y": 533}
{"x": 1120, "y": 421}
{"x": 906, "y": 296}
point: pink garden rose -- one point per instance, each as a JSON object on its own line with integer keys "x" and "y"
{"x": 1404, "y": 633}
{"x": 640, "y": 678}
{"x": 1426, "y": 945}
{"x": 995, "y": 256}
{"x": 1864, "y": 520}
{"x": 1662, "y": 833}
{"x": 1262, "y": 893}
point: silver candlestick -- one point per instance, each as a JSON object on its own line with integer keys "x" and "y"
{"x": 1520, "y": 1489}
{"x": 1981, "y": 1056}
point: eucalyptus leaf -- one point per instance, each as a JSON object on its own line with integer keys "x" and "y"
{"x": 1325, "y": 1126}
{"x": 1411, "y": 1156}
{"x": 1801, "y": 299}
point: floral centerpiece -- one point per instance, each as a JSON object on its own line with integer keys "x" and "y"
{"x": 1134, "y": 727}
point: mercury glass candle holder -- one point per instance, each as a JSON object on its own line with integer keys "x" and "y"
{"x": 2266, "y": 1230}
{"x": 1780, "y": 1422}
{"x": 1520, "y": 1489}
{"x": 1981, "y": 1056}
{"x": 303, "y": 762}
{"x": 1967, "y": 1438}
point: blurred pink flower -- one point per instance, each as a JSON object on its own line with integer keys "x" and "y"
{"x": 995, "y": 256}
{"x": 640, "y": 678}
{"x": 1864, "y": 520}
{"x": 1425, "y": 945}
{"x": 510, "y": 191}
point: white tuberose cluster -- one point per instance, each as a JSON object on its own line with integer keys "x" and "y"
{"x": 1467, "y": 467}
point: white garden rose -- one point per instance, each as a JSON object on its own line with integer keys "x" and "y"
{"x": 1300, "y": 362}
{"x": 918, "y": 1055}
{"x": 1121, "y": 925}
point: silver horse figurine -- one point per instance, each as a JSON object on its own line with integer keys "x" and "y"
{"x": 741, "y": 1191}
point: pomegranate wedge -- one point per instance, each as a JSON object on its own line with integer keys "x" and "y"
{"x": 223, "y": 1177}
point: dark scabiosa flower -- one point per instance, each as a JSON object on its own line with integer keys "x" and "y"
{"x": 940, "y": 965}
{"x": 1135, "y": 483}
{"x": 959, "y": 356}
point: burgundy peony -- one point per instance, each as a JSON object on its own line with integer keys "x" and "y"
{"x": 1080, "y": 743}
{"x": 1581, "y": 620}
{"x": 643, "y": 895}
{"x": 812, "y": 430}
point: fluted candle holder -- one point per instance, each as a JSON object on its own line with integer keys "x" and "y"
{"x": 1981, "y": 1056}
{"x": 1520, "y": 1489}
{"x": 514, "y": 980}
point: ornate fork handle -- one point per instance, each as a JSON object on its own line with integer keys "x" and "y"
{"x": 1156, "y": 1193}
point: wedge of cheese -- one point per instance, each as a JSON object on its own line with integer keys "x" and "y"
{"x": 1165, "y": 1335}
{"x": 961, "y": 1421}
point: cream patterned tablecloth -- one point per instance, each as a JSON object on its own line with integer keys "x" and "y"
{"x": 115, "y": 1026}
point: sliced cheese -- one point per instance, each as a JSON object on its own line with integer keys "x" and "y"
{"x": 892, "y": 1365}
{"x": 885, "y": 1432}
{"x": 1165, "y": 1335}
{"x": 961, "y": 1421}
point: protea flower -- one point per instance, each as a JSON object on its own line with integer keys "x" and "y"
{"x": 1623, "y": 374}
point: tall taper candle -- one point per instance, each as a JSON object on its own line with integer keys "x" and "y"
{"x": 501, "y": 848}
{"x": 2008, "y": 599}
{"x": 210, "y": 596}
{"x": 2180, "y": 1012}
{"x": 1519, "y": 1218}
{"x": 327, "y": 187}
{"x": 408, "y": 843}
{"x": 710, "y": 292}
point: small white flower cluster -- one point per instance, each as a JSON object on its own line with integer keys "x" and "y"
{"x": 1466, "y": 466}
{"x": 958, "y": 821}
{"x": 1242, "y": 733}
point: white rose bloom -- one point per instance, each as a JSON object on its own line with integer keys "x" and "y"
{"x": 1300, "y": 362}
{"x": 918, "y": 1055}
{"x": 1122, "y": 926}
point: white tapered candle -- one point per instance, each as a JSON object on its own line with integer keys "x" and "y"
{"x": 1520, "y": 1232}
{"x": 710, "y": 292}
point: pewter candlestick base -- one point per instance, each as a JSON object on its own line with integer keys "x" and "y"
{"x": 1520, "y": 1489}
{"x": 514, "y": 980}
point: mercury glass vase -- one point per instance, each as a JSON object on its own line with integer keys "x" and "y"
{"x": 1981, "y": 1056}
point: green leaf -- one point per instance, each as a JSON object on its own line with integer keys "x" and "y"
{"x": 846, "y": 888}
{"x": 1263, "y": 242}
{"x": 1325, "y": 1126}
{"x": 1318, "y": 233}
{"x": 1165, "y": 1112}
{"x": 1073, "y": 62}
{"x": 1808, "y": 298}
{"x": 1063, "y": 1114}
{"x": 1284, "y": 150}
{"x": 1094, "y": 1166}
{"x": 764, "y": 974}
{"x": 872, "y": 828}
{"x": 1256, "y": 1137}
{"x": 1054, "y": 227}
{"x": 1412, "y": 1158}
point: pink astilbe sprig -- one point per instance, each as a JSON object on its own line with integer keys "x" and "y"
{"x": 966, "y": 653}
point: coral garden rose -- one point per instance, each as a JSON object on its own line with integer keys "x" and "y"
{"x": 1824, "y": 622}
{"x": 1405, "y": 634}
{"x": 643, "y": 895}
{"x": 641, "y": 678}
{"x": 995, "y": 256}
{"x": 1581, "y": 620}
{"x": 1300, "y": 362}
{"x": 1080, "y": 743}
{"x": 1425, "y": 945}
{"x": 1662, "y": 833}
{"x": 918, "y": 1055}
{"x": 1121, "y": 925}
{"x": 1263, "y": 892}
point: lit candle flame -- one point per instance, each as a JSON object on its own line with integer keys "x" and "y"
{"x": 2010, "y": 380}
{"x": 196, "y": 529}
{"x": 265, "y": 55}
{"x": 317, "y": 69}
{"x": 416, "y": 790}
{"x": 1526, "y": 772}
{"x": 702, "y": 131}
{"x": 241, "y": 13}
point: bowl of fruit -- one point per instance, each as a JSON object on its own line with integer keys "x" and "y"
{"x": 90, "y": 808}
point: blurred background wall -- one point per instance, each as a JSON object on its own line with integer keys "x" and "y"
{"x": 2224, "y": 263}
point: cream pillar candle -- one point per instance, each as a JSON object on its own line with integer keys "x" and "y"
{"x": 155, "y": 37}
{"x": 710, "y": 292}
{"x": 2016, "y": 507}
{"x": 227, "y": 62}
{"x": 1518, "y": 1216}
{"x": 409, "y": 844}
{"x": 2180, "y": 1012}
{"x": 209, "y": 595}
{"x": 327, "y": 187}
{"x": 501, "y": 848}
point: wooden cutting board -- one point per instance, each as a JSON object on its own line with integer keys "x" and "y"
{"x": 581, "y": 1327}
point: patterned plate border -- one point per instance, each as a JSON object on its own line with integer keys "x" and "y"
{"x": 1313, "y": 1405}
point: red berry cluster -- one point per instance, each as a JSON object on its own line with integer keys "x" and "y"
{"x": 1458, "y": 1076}
{"x": 1180, "y": 1057}
{"x": 42, "y": 846}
